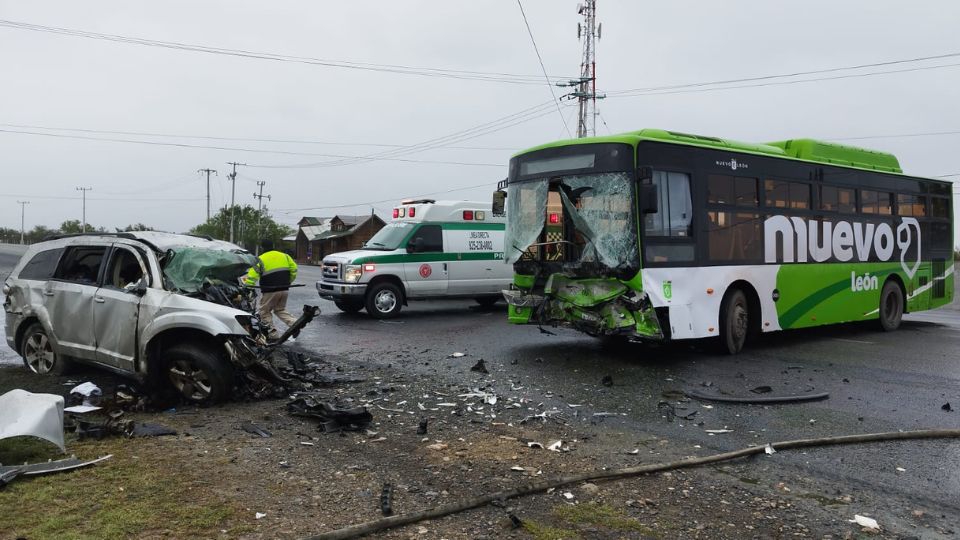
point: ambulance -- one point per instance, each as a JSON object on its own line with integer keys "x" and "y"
{"x": 429, "y": 250}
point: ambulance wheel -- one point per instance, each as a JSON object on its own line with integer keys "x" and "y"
{"x": 891, "y": 306}
{"x": 384, "y": 300}
{"x": 734, "y": 321}
{"x": 348, "y": 307}
{"x": 487, "y": 301}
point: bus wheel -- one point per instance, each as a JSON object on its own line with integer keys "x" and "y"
{"x": 891, "y": 306}
{"x": 384, "y": 300}
{"x": 734, "y": 322}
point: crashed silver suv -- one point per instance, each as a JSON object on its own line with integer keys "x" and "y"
{"x": 160, "y": 308}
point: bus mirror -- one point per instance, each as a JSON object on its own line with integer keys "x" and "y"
{"x": 499, "y": 202}
{"x": 644, "y": 173}
{"x": 648, "y": 199}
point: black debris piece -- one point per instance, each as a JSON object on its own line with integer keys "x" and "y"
{"x": 761, "y": 390}
{"x": 141, "y": 429}
{"x": 946, "y": 407}
{"x": 386, "y": 500}
{"x": 516, "y": 522}
{"x": 754, "y": 400}
{"x": 8, "y": 476}
{"x": 480, "y": 367}
{"x": 607, "y": 380}
{"x": 422, "y": 428}
{"x": 48, "y": 467}
{"x": 254, "y": 429}
{"x": 332, "y": 418}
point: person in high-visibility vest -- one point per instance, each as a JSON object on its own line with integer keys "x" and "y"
{"x": 276, "y": 272}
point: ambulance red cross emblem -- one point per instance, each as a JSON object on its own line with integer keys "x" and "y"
{"x": 425, "y": 270}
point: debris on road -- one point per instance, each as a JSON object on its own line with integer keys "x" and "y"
{"x": 259, "y": 515}
{"x": 422, "y": 428}
{"x": 555, "y": 446}
{"x": 865, "y": 522}
{"x": 759, "y": 399}
{"x": 386, "y": 500}
{"x": 480, "y": 367}
{"x": 718, "y": 431}
{"x": 142, "y": 429}
{"x": 761, "y": 390}
{"x": 24, "y": 413}
{"x": 86, "y": 393}
{"x": 437, "y": 446}
{"x": 607, "y": 380}
{"x": 8, "y": 474}
{"x": 254, "y": 429}
{"x": 946, "y": 407}
{"x": 457, "y": 355}
{"x": 332, "y": 418}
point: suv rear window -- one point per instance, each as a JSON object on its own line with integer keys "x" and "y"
{"x": 42, "y": 265}
{"x": 81, "y": 264}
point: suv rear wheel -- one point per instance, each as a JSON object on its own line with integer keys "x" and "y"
{"x": 197, "y": 373}
{"x": 384, "y": 300}
{"x": 38, "y": 354}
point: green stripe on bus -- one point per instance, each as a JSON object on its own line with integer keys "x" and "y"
{"x": 804, "y": 306}
{"x": 430, "y": 257}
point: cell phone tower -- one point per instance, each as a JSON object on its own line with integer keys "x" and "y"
{"x": 586, "y": 86}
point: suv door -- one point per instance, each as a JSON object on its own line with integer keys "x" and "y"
{"x": 116, "y": 308}
{"x": 68, "y": 300}
{"x": 425, "y": 268}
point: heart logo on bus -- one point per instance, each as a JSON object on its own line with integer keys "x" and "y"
{"x": 425, "y": 270}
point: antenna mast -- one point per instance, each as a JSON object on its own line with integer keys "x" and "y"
{"x": 586, "y": 86}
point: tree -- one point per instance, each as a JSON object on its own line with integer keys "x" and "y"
{"x": 134, "y": 227}
{"x": 38, "y": 234}
{"x": 71, "y": 226}
{"x": 250, "y": 227}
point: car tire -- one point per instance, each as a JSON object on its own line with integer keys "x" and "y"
{"x": 487, "y": 301}
{"x": 38, "y": 353}
{"x": 197, "y": 373}
{"x": 348, "y": 307}
{"x": 891, "y": 306}
{"x": 384, "y": 300}
{"x": 734, "y": 322}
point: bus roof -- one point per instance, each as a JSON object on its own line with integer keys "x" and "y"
{"x": 802, "y": 149}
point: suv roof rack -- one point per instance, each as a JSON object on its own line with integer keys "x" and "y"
{"x": 125, "y": 235}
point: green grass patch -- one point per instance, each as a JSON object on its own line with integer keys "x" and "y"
{"x": 144, "y": 490}
{"x": 19, "y": 450}
{"x": 601, "y": 515}
{"x": 539, "y": 531}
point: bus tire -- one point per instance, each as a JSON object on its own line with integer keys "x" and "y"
{"x": 348, "y": 306}
{"x": 384, "y": 300}
{"x": 734, "y": 321}
{"x": 891, "y": 306}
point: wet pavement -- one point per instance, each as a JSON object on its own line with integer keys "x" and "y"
{"x": 877, "y": 382}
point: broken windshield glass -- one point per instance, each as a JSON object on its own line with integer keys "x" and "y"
{"x": 600, "y": 207}
{"x": 526, "y": 207}
{"x": 187, "y": 268}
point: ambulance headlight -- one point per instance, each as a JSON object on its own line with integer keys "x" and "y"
{"x": 352, "y": 273}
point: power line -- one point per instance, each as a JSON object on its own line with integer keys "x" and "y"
{"x": 240, "y": 139}
{"x": 510, "y": 78}
{"x": 896, "y": 136}
{"x": 799, "y": 74}
{"x": 544, "y": 69}
{"x": 234, "y": 149}
{"x": 126, "y": 199}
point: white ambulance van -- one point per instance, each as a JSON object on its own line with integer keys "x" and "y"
{"x": 429, "y": 250}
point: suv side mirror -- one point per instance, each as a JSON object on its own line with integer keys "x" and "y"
{"x": 648, "y": 199}
{"x": 140, "y": 288}
{"x": 415, "y": 245}
{"x": 499, "y": 202}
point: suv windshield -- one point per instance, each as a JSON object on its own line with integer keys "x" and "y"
{"x": 186, "y": 269}
{"x": 389, "y": 237}
{"x": 590, "y": 215}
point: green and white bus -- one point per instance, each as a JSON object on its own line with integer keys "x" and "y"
{"x": 658, "y": 235}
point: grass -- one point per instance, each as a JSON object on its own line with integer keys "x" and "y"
{"x": 540, "y": 531}
{"x": 146, "y": 489}
{"x": 601, "y": 515}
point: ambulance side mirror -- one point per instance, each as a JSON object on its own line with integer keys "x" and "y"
{"x": 499, "y": 202}
{"x": 415, "y": 245}
{"x": 648, "y": 199}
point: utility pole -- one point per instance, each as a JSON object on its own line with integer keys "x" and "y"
{"x": 84, "y": 190}
{"x": 208, "y": 171}
{"x": 23, "y": 205}
{"x": 260, "y": 198}
{"x": 233, "y": 189}
{"x": 586, "y": 85}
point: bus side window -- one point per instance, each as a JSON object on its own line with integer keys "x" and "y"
{"x": 674, "y": 215}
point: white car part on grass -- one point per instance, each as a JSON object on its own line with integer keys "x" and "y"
{"x": 35, "y": 415}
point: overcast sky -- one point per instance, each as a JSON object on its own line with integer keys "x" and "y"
{"x": 59, "y": 81}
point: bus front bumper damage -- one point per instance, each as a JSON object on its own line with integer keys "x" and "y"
{"x": 596, "y": 306}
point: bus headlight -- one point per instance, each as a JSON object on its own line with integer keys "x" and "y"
{"x": 352, "y": 273}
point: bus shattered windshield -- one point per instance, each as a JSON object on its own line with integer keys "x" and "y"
{"x": 574, "y": 221}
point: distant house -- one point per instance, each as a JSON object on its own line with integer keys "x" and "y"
{"x": 318, "y": 237}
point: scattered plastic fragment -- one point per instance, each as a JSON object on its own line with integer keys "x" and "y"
{"x": 386, "y": 500}
{"x": 607, "y": 380}
{"x": 946, "y": 407}
{"x": 259, "y": 515}
{"x": 769, "y": 449}
{"x": 761, "y": 390}
{"x": 634, "y": 452}
{"x": 437, "y": 446}
{"x": 716, "y": 431}
{"x": 864, "y": 521}
{"x": 457, "y": 355}
{"x": 901, "y": 469}
{"x": 254, "y": 429}
{"x": 515, "y": 522}
{"x": 422, "y": 428}
{"x": 535, "y": 444}
{"x": 567, "y": 495}
{"x": 555, "y": 446}
{"x": 332, "y": 418}
{"x": 480, "y": 367}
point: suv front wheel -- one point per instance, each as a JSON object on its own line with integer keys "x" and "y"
{"x": 38, "y": 354}
{"x": 197, "y": 373}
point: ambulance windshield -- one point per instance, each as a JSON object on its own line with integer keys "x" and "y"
{"x": 389, "y": 237}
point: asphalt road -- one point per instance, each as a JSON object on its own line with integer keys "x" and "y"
{"x": 877, "y": 382}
